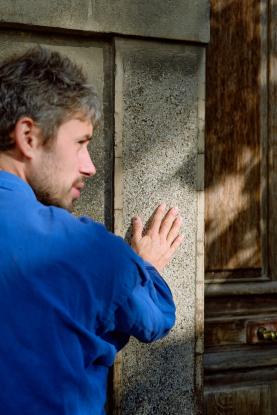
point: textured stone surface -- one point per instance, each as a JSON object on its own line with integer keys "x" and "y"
{"x": 92, "y": 56}
{"x": 178, "y": 19}
{"x": 157, "y": 125}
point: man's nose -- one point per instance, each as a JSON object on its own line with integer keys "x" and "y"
{"x": 87, "y": 167}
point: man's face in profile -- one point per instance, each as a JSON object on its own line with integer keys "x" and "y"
{"x": 60, "y": 169}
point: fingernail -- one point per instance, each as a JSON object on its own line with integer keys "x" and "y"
{"x": 175, "y": 210}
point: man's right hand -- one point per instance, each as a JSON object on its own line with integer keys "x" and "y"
{"x": 162, "y": 238}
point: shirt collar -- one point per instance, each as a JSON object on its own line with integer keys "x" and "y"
{"x": 12, "y": 182}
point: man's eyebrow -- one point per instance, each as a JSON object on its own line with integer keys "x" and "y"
{"x": 86, "y": 137}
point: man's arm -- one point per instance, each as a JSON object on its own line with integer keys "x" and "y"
{"x": 149, "y": 311}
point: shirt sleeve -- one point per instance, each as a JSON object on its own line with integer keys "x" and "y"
{"x": 136, "y": 300}
{"x": 149, "y": 311}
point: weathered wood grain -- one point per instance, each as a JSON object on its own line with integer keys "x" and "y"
{"x": 233, "y": 150}
{"x": 240, "y": 377}
{"x": 273, "y": 141}
{"x": 235, "y": 306}
{"x": 246, "y": 357}
{"x": 241, "y": 401}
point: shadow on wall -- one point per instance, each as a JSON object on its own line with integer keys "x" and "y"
{"x": 165, "y": 390}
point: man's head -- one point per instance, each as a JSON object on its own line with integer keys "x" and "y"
{"x": 47, "y": 114}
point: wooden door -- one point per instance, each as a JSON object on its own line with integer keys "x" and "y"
{"x": 240, "y": 369}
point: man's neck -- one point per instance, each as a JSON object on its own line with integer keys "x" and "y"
{"x": 12, "y": 164}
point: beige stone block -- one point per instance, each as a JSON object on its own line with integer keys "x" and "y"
{"x": 179, "y": 19}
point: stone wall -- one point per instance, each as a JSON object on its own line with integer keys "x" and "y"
{"x": 148, "y": 148}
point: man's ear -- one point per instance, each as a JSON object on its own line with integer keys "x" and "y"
{"x": 26, "y": 136}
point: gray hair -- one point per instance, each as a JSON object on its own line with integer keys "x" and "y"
{"x": 47, "y": 87}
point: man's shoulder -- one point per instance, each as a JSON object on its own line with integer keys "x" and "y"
{"x": 54, "y": 235}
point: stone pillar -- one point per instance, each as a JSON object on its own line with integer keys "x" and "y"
{"x": 159, "y": 99}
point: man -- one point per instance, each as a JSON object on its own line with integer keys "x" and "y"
{"x": 71, "y": 293}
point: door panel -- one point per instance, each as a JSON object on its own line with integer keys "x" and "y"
{"x": 272, "y": 159}
{"x": 244, "y": 401}
{"x": 233, "y": 141}
{"x": 240, "y": 195}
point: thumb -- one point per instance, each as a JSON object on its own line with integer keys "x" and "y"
{"x": 137, "y": 228}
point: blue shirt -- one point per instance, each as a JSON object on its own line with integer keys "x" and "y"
{"x": 71, "y": 294}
